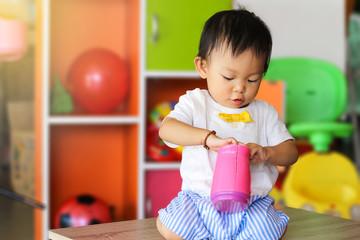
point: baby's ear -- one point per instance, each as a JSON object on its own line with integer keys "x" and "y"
{"x": 201, "y": 67}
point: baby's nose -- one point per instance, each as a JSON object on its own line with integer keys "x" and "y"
{"x": 239, "y": 87}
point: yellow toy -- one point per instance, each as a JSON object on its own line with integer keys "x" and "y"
{"x": 325, "y": 183}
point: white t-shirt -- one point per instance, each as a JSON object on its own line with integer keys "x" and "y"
{"x": 197, "y": 108}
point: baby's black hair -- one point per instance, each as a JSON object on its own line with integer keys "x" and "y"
{"x": 239, "y": 30}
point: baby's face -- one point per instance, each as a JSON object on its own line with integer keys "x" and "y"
{"x": 234, "y": 81}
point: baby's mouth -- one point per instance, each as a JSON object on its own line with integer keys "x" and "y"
{"x": 237, "y": 101}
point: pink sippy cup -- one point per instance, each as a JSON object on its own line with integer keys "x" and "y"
{"x": 230, "y": 190}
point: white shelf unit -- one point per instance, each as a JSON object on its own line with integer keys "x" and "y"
{"x": 49, "y": 120}
{"x": 139, "y": 120}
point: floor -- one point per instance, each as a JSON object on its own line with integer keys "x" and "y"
{"x": 16, "y": 218}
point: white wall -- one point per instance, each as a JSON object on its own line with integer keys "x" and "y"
{"x": 307, "y": 28}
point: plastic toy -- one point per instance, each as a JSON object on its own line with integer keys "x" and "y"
{"x": 99, "y": 80}
{"x": 61, "y": 101}
{"x": 230, "y": 190}
{"x": 81, "y": 211}
{"x": 155, "y": 147}
{"x": 160, "y": 111}
{"x": 333, "y": 189}
{"x": 322, "y": 180}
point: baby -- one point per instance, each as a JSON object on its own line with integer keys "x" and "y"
{"x": 234, "y": 54}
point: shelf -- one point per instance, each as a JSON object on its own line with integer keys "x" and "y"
{"x": 94, "y": 120}
{"x": 161, "y": 166}
{"x": 94, "y": 159}
{"x": 172, "y": 74}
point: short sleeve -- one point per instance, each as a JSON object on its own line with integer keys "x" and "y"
{"x": 276, "y": 129}
{"x": 183, "y": 111}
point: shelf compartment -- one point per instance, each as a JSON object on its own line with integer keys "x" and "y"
{"x": 97, "y": 159}
{"x": 77, "y": 26}
{"x": 173, "y": 30}
{"x": 159, "y": 197}
{"x": 161, "y": 90}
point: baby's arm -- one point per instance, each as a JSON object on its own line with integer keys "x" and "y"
{"x": 180, "y": 133}
{"x": 283, "y": 154}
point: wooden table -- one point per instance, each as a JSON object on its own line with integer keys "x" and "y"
{"x": 303, "y": 225}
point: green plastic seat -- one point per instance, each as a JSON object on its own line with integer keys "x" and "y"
{"x": 316, "y": 97}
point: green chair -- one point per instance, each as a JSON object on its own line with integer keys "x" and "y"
{"x": 316, "y": 97}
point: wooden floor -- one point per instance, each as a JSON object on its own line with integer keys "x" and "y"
{"x": 14, "y": 214}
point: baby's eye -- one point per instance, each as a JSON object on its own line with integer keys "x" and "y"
{"x": 228, "y": 78}
{"x": 253, "y": 80}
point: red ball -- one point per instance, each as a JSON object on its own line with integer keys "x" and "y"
{"x": 82, "y": 210}
{"x": 99, "y": 80}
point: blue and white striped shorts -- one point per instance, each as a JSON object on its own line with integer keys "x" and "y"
{"x": 192, "y": 216}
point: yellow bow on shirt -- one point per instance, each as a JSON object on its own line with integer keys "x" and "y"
{"x": 243, "y": 117}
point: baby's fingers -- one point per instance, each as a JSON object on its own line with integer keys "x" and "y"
{"x": 232, "y": 141}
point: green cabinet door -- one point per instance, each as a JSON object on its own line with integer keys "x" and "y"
{"x": 173, "y": 31}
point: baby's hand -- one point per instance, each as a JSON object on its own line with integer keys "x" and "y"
{"x": 258, "y": 153}
{"x": 215, "y": 143}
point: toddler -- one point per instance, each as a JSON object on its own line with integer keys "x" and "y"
{"x": 234, "y": 54}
